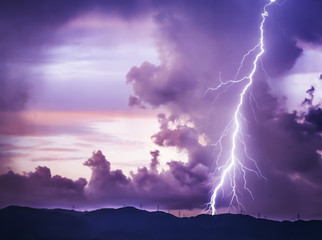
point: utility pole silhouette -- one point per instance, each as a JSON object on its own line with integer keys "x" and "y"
{"x": 179, "y": 214}
{"x": 158, "y": 207}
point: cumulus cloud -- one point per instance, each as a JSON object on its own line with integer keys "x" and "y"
{"x": 40, "y": 189}
{"x": 181, "y": 186}
{"x": 106, "y": 183}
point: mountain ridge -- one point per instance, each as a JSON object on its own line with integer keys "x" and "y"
{"x": 131, "y": 223}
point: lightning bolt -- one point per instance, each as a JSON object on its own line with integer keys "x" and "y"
{"x": 233, "y": 163}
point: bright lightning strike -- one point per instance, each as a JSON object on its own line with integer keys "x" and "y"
{"x": 233, "y": 162}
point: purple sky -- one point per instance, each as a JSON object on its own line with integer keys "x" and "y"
{"x": 103, "y": 103}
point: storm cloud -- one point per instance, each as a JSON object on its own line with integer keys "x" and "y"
{"x": 179, "y": 186}
{"x": 286, "y": 145}
{"x": 40, "y": 189}
{"x": 199, "y": 44}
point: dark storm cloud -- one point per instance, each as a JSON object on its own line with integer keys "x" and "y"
{"x": 281, "y": 50}
{"x": 289, "y": 22}
{"x": 196, "y": 40}
{"x": 199, "y": 39}
{"x": 301, "y": 19}
{"x": 232, "y": 28}
{"x": 40, "y": 188}
{"x": 213, "y": 32}
{"x": 287, "y": 151}
{"x": 314, "y": 117}
{"x": 285, "y": 146}
{"x": 300, "y": 141}
{"x": 228, "y": 27}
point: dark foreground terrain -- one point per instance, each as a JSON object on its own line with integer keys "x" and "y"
{"x": 130, "y": 223}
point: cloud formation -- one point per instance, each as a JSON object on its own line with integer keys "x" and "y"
{"x": 200, "y": 44}
{"x": 286, "y": 145}
{"x": 40, "y": 189}
{"x": 180, "y": 186}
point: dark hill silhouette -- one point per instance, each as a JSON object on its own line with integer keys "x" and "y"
{"x": 131, "y": 223}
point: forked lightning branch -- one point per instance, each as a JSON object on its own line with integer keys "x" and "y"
{"x": 227, "y": 172}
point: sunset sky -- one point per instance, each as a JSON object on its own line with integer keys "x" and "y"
{"x": 105, "y": 103}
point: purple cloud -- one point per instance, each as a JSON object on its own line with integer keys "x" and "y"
{"x": 286, "y": 147}
{"x": 179, "y": 186}
{"x": 154, "y": 161}
{"x": 197, "y": 42}
{"x": 40, "y": 189}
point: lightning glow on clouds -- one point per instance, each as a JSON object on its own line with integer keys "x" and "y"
{"x": 234, "y": 163}
{"x": 291, "y": 89}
